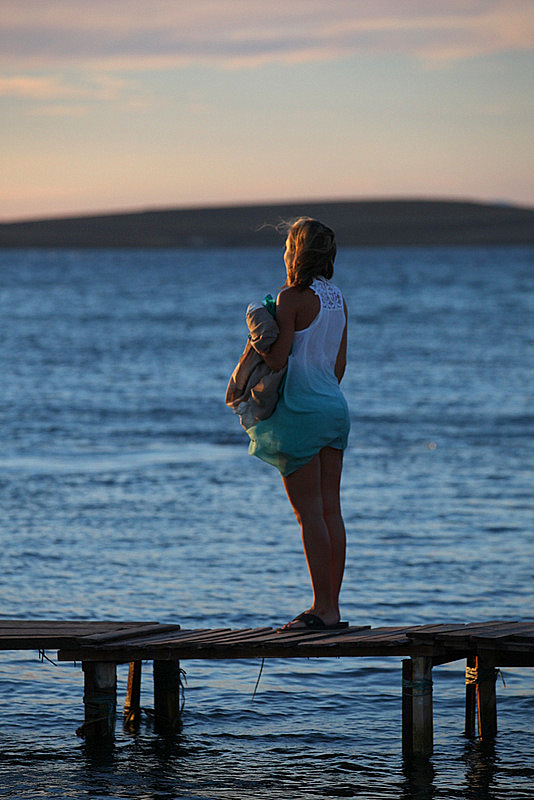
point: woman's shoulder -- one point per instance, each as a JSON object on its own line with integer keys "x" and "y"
{"x": 294, "y": 297}
{"x": 303, "y": 305}
{"x": 290, "y": 295}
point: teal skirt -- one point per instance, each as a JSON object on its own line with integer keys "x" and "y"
{"x": 291, "y": 437}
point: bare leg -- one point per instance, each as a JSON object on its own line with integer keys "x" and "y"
{"x": 314, "y": 498}
{"x": 331, "y": 465}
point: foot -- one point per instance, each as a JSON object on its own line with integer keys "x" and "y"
{"x": 312, "y": 622}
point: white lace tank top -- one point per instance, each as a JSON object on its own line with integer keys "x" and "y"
{"x": 314, "y": 353}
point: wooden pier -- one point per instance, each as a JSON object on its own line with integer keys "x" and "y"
{"x": 100, "y": 646}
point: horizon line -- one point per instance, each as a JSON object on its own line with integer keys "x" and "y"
{"x": 133, "y": 210}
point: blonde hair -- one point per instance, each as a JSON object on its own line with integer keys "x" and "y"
{"x": 310, "y": 252}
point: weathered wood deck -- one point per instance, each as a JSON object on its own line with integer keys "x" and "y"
{"x": 100, "y": 646}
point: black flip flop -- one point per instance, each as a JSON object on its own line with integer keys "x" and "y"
{"x": 313, "y": 623}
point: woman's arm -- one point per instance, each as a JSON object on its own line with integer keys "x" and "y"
{"x": 286, "y": 310}
{"x": 341, "y": 360}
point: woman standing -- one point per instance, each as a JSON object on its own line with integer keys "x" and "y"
{"x": 307, "y": 433}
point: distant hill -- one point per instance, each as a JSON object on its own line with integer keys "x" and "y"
{"x": 369, "y": 223}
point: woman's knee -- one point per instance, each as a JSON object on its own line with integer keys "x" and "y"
{"x": 309, "y": 516}
{"x": 332, "y": 512}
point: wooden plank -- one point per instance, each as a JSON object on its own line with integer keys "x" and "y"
{"x": 191, "y": 640}
{"x": 117, "y": 656}
{"x": 523, "y": 630}
{"x": 530, "y": 633}
{"x": 513, "y": 645}
{"x": 382, "y": 630}
{"x": 185, "y": 633}
{"x": 66, "y": 630}
{"x": 498, "y": 635}
{"x": 522, "y": 638}
{"x": 236, "y": 638}
{"x": 155, "y": 640}
{"x": 289, "y": 638}
{"x": 508, "y": 625}
{"x": 429, "y": 632}
{"x": 49, "y": 634}
{"x": 40, "y": 642}
{"x": 492, "y": 636}
{"x": 129, "y": 632}
{"x": 143, "y": 640}
{"x": 74, "y": 624}
{"x": 469, "y": 627}
{"x": 464, "y": 636}
{"x": 385, "y": 635}
{"x": 385, "y": 641}
{"x": 513, "y": 658}
{"x": 365, "y": 633}
{"x": 223, "y": 636}
{"x": 134, "y": 649}
{"x": 256, "y": 638}
{"x": 10, "y": 624}
{"x": 437, "y": 627}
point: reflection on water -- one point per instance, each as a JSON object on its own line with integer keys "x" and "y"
{"x": 480, "y": 769}
{"x": 419, "y": 776}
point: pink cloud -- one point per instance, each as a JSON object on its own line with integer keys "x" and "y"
{"x": 141, "y": 34}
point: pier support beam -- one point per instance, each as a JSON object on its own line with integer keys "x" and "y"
{"x": 100, "y": 700}
{"x": 471, "y": 678}
{"x": 132, "y": 706}
{"x": 486, "y": 696}
{"x": 480, "y": 695}
{"x": 417, "y": 727}
{"x": 167, "y": 684}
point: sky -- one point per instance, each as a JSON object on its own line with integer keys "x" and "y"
{"x": 112, "y": 105}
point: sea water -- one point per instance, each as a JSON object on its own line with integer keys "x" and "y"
{"x": 126, "y": 492}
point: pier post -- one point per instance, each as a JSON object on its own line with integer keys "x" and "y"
{"x": 486, "y": 696}
{"x": 471, "y": 679}
{"x": 132, "y": 706}
{"x": 167, "y": 694}
{"x": 100, "y": 700}
{"x": 417, "y": 726}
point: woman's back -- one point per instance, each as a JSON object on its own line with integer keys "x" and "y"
{"x": 315, "y": 348}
